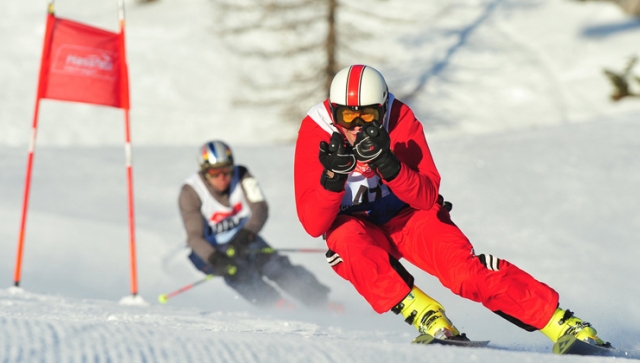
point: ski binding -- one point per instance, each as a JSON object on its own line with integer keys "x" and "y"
{"x": 428, "y": 339}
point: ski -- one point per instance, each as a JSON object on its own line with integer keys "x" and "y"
{"x": 568, "y": 344}
{"x": 565, "y": 345}
{"x": 428, "y": 339}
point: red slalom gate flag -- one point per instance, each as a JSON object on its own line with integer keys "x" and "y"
{"x": 82, "y": 63}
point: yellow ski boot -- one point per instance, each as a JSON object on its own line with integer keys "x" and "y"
{"x": 427, "y": 315}
{"x": 563, "y": 322}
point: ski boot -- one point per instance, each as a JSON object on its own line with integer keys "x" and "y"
{"x": 427, "y": 315}
{"x": 563, "y": 322}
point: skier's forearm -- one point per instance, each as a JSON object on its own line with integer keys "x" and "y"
{"x": 259, "y": 215}
{"x": 201, "y": 247}
{"x": 194, "y": 227}
{"x": 317, "y": 210}
{"x": 193, "y": 222}
{"x": 418, "y": 181}
{"x": 418, "y": 190}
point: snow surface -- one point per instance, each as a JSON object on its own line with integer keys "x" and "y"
{"x": 541, "y": 168}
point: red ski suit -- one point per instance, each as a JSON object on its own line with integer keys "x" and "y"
{"x": 367, "y": 249}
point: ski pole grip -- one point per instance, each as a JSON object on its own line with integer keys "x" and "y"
{"x": 231, "y": 270}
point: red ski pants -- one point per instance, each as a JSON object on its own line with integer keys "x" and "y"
{"x": 433, "y": 243}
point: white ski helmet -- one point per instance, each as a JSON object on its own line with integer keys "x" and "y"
{"x": 357, "y": 86}
{"x": 215, "y": 154}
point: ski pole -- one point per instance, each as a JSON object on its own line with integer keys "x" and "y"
{"x": 302, "y": 250}
{"x": 309, "y": 250}
{"x": 231, "y": 251}
{"x": 266, "y": 250}
{"x": 164, "y": 297}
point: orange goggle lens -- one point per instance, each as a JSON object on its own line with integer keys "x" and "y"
{"x": 345, "y": 116}
{"x": 216, "y": 172}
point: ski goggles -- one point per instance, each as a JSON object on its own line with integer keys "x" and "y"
{"x": 217, "y": 172}
{"x": 348, "y": 117}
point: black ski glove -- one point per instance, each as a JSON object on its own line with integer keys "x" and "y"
{"x": 222, "y": 264}
{"x": 373, "y": 146}
{"x": 338, "y": 161}
{"x": 240, "y": 242}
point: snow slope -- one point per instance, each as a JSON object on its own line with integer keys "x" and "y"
{"x": 564, "y": 210}
{"x": 541, "y": 168}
